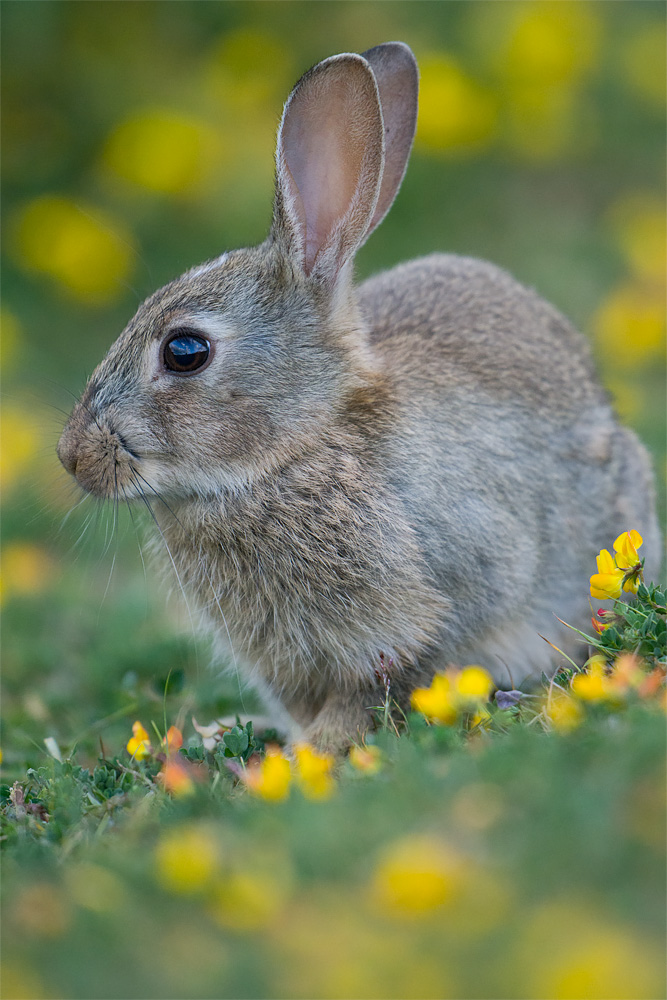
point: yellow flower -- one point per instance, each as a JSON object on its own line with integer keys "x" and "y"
{"x": 638, "y": 223}
{"x": 473, "y": 684}
{"x": 87, "y": 251}
{"x": 625, "y": 547}
{"x": 549, "y": 44}
{"x": 630, "y": 326}
{"x": 416, "y": 875}
{"x": 26, "y": 568}
{"x": 186, "y": 859}
{"x": 594, "y": 684}
{"x": 163, "y": 151}
{"x": 271, "y": 778}
{"x": 245, "y": 901}
{"x": 139, "y": 746}
{"x": 563, "y": 711}
{"x": 453, "y": 693}
{"x": 366, "y": 758}
{"x": 314, "y": 772}
{"x": 436, "y": 702}
{"x": 606, "y": 583}
{"x": 20, "y": 442}
{"x": 456, "y": 114}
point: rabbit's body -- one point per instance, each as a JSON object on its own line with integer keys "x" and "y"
{"x": 360, "y": 486}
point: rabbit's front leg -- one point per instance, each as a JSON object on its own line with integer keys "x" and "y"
{"x": 344, "y": 718}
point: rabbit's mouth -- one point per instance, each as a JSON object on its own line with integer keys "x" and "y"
{"x": 100, "y": 460}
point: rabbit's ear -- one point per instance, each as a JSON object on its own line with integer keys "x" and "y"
{"x": 329, "y": 164}
{"x": 397, "y": 77}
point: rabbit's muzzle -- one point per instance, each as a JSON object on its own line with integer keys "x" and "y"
{"x": 97, "y": 457}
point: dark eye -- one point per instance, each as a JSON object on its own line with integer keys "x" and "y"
{"x": 186, "y": 352}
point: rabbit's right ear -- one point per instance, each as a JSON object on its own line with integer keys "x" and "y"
{"x": 329, "y": 163}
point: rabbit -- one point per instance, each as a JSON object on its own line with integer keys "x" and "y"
{"x": 360, "y": 485}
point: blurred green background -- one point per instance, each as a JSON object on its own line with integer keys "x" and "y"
{"x": 138, "y": 140}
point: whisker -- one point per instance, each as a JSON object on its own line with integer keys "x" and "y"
{"x": 150, "y": 510}
{"x": 204, "y": 568}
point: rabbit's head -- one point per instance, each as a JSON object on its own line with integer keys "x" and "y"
{"x": 235, "y": 366}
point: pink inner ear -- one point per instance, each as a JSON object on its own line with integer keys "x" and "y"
{"x": 324, "y": 138}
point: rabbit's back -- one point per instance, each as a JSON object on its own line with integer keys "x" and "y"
{"x": 508, "y": 458}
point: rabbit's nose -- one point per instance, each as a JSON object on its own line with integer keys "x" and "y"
{"x": 67, "y": 453}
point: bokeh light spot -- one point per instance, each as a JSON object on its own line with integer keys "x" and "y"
{"x": 85, "y": 250}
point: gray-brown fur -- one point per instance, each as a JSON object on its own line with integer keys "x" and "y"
{"x": 415, "y": 472}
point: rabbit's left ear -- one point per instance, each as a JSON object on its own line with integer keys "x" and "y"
{"x": 395, "y": 69}
{"x": 329, "y": 162}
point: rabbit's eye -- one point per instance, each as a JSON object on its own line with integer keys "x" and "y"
{"x": 186, "y": 352}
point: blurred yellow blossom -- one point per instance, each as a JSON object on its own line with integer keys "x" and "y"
{"x": 630, "y": 325}
{"x": 595, "y": 959}
{"x": 417, "y": 874}
{"x": 366, "y": 758}
{"x": 638, "y": 221}
{"x": 550, "y": 43}
{"x": 642, "y": 58}
{"x": 436, "y": 702}
{"x": 473, "y": 684}
{"x": 314, "y": 772}
{"x": 139, "y": 747}
{"x": 253, "y": 67}
{"x": 247, "y": 901}
{"x": 21, "y": 983}
{"x": 271, "y": 778}
{"x": 20, "y": 442}
{"x": 84, "y": 249}
{"x": 563, "y": 711}
{"x": 456, "y": 114}
{"x": 187, "y": 859}
{"x": 26, "y": 569}
{"x": 163, "y": 152}
{"x": 94, "y": 887}
{"x": 593, "y": 684}
{"x": 453, "y": 693}
{"x": 10, "y": 338}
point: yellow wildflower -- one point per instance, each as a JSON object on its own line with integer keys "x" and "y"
{"x": 436, "y": 702}
{"x": 563, "y": 711}
{"x": 139, "y": 747}
{"x": 247, "y": 901}
{"x": 163, "y": 151}
{"x": 366, "y": 758}
{"x": 186, "y": 859}
{"x": 630, "y": 327}
{"x": 457, "y": 115}
{"x": 606, "y": 583}
{"x": 416, "y": 875}
{"x": 85, "y": 250}
{"x": 314, "y": 772}
{"x": 594, "y": 684}
{"x": 473, "y": 684}
{"x": 627, "y": 558}
{"x": 271, "y": 778}
{"x": 452, "y": 693}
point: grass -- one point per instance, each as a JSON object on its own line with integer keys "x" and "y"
{"x": 507, "y": 852}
